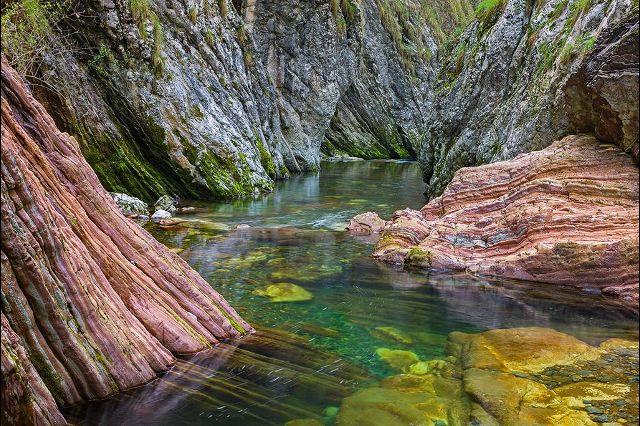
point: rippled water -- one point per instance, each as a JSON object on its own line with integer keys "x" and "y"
{"x": 309, "y": 355}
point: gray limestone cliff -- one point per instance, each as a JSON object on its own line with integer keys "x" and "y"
{"x": 524, "y": 73}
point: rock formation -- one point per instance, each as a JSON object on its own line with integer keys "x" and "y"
{"x": 219, "y": 98}
{"x": 91, "y": 303}
{"x": 566, "y": 215}
{"x": 510, "y": 376}
{"x": 367, "y": 223}
{"x": 525, "y": 74}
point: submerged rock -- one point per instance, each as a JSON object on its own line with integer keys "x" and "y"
{"x": 284, "y": 292}
{"x": 396, "y": 358}
{"x": 91, "y": 303}
{"x": 565, "y": 215}
{"x": 128, "y": 205}
{"x": 367, "y": 223}
{"x": 392, "y": 334}
{"x": 482, "y": 383}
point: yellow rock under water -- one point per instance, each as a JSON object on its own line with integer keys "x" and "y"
{"x": 392, "y": 334}
{"x": 522, "y": 349}
{"x": 397, "y": 359}
{"x": 284, "y": 292}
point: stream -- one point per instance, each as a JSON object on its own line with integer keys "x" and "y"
{"x": 307, "y": 356}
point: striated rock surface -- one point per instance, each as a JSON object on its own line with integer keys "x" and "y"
{"x": 91, "y": 303}
{"x": 367, "y": 223}
{"x": 523, "y": 75}
{"x": 128, "y": 205}
{"x": 564, "y": 215}
{"x": 507, "y": 376}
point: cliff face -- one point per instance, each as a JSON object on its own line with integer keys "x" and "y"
{"x": 165, "y": 97}
{"x": 525, "y": 74}
{"x": 351, "y": 77}
{"x": 219, "y": 98}
{"x": 91, "y": 303}
{"x": 565, "y": 215}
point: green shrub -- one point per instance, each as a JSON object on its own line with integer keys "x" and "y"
{"x": 28, "y": 31}
{"x": 222, "y": 6}
{"x": 192, "y": 13}
{"x": 210, "y": 38}
{"x": 101, "y": 60}
{"x": 487, "y": 12}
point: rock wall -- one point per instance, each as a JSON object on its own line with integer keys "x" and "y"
{"x": 566, "y": 215}
{"x": 166, "y": 97}
{"x": 352, "y": 77}
{"x": 91, "y": 303}
{"x": 525, "y": 74}
{"x": 219, "y": 98}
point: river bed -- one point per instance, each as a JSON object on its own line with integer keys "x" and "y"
{"x": 308, "y": 355}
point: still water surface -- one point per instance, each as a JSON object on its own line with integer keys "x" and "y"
{"x": 307, "y": 356}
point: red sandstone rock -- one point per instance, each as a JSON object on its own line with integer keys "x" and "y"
{"x": 91, "y": 300}
{"x": 367, "y": 223}
{"x": 565, "y": 215}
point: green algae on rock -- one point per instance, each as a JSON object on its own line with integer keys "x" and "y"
{"x": 284, "y": 292}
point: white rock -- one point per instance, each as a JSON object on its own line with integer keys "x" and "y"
{"x": 161, "y": 214}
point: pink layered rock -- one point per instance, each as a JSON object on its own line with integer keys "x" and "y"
{"x": 367, "y": 223}
{"x": 92, "y": 303}
{"x": 565, "y": 215}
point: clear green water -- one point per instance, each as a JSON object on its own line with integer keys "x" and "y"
{"x": 296, "y": 236}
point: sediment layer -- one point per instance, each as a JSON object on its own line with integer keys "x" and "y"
{"x": 564, "y": 215}
{"x": 91, "y": 303}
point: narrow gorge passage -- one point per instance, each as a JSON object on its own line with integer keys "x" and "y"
{"x": 320, "y": 212}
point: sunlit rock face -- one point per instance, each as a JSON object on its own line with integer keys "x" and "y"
{"x": 91, "y": 303}
{"x": 565, "y": 215}
{"x": 507, "y": 376}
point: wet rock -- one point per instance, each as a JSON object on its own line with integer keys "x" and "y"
{"x": 243, "y": 226}
{"x": 128, "y": 205}
{"x": 565, "y": 215}
{"x": 167, "y": 204}
{"x": 482, "y": 383}
{"x": 366, "y": 223}
{"x": 160, "y": 214}
{"x": 112, "y": 304}
{"x": 284, "y": 292}
{"x": 525, "y": 350}
{"x": 397, "y": 359}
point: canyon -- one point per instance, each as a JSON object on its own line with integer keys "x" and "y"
{"x": 522, "y": 116}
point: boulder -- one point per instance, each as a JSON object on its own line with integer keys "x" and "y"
{"x": 128, "y": 205}
{"x": 166, "y": 203}
{"x": 366, "y": 223}
{"x": 160, "y": 215}
{"x": 565, "y": 215}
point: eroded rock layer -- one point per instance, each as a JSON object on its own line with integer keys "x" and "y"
{"x": 91, "y": 303}
{"x": 566, "y": 215}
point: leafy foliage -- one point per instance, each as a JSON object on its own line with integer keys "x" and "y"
{"x": 27, "y": 32}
